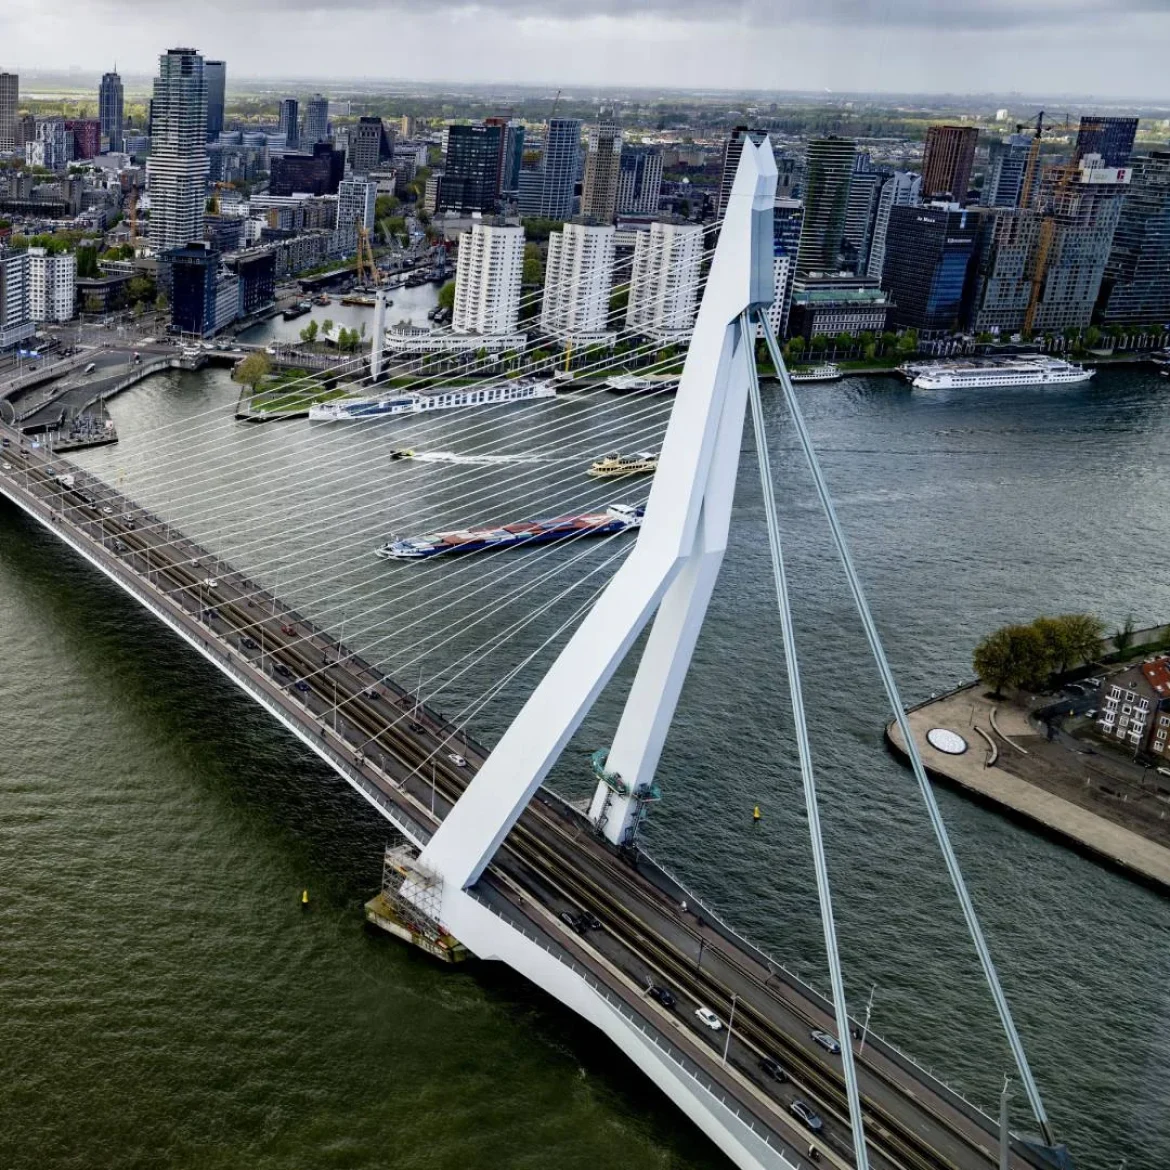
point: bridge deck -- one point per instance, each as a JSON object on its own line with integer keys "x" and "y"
{"x": 399, "y": 754}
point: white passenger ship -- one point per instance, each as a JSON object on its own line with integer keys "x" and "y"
{"x": 826, "y": 373}
{"x": 1014, "y": 371}
{"x": 350, "y": 409}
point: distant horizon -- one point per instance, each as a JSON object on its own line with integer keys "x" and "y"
{"x": 1025, "y": 49}
{"x": 81, "y": 75}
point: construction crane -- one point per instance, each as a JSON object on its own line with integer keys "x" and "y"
{"x": 365, "y": 257}
{"x": 1033, "y": 159}
{"x": 1047, "y": 229}
{"x": 1028, "y": 189}
{"x": 556, "y": 102}
{"x": 132, "y": 216}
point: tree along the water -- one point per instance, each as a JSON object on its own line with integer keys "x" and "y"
{"x": 1025, "y": 656}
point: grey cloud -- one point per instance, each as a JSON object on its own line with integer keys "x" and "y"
{"x": 987, "y": 16}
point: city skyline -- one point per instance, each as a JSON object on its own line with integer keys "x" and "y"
{"x": 839, "y": 46}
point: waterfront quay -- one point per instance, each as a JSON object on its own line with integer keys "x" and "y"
{"x": 1059, "y": 785}
{"x": 404, "y": 758}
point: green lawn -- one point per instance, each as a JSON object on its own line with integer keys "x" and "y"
{"x": 291, "y": 390}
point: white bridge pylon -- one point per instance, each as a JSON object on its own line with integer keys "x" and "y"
{"x": 669, "y": 576}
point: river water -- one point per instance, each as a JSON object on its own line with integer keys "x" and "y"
{"x": 166, "y": 1002}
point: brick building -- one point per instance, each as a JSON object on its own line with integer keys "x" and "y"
{"x": 1135, "y": 707}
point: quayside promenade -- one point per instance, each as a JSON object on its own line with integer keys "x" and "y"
{"x": 1055, "y": 785}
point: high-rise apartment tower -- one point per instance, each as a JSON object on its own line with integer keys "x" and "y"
{"x": 826, "y": 202}
{"x": 110, "y": 110}
{"x": 316, "y": 120}
{"x": 562, "y": 142}
{"x": 577, "y": 282}
{"x": 947, "y": 162}
{"x": 599, "y": 191}
{"x": 177, "y": 168}
{"x": 9, "y": 104}
{"x": 488, "y": 273}
{"x": 215, "y": 78}
{"x": 289, "y": 124}
{"x": 639, "y": 181}
{"x": 664, "y": 283}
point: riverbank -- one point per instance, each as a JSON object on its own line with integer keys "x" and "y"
{"x": 1009, "y": 764}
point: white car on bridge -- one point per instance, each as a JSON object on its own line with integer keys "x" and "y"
{"x": 709, "y": 1018}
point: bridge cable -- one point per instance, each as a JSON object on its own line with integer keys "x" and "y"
{"x": 357, "y": 363}
{"x": 803, "y": 746}
{"x": 911, "y": 746}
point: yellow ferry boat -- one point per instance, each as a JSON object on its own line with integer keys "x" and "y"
{"x": 613, "y": 466}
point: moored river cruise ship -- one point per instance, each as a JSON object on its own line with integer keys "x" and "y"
{"x": 414, "y": 402}
{"x": 1016, "y": 371}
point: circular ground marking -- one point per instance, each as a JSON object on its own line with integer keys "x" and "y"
{"x": 946, "y": 741}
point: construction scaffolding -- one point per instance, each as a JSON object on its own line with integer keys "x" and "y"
{"x": 408, "y": 905}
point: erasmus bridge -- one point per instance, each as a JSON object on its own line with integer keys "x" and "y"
{"x": 488, "y": 860}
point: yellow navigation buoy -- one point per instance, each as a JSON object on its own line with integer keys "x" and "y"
{"x": 756, "y": 814}
{"x": 304, "y": 898}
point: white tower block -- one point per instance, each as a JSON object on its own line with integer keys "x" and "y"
{"x": 672, "y": 569}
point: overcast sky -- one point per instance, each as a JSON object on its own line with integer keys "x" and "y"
{"x": 1101, "y": 47}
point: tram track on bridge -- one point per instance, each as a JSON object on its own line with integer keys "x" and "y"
{"x": 526, "y": 844}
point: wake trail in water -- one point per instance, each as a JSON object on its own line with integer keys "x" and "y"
{"x": 455, "y": 457}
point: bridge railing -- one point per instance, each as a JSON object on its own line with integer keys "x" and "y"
{"x": 669, "y": 1051}
{"x": 213, "y": 646}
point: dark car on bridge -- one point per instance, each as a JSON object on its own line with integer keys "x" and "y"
{"x": 663, "y": 994}
{"x": 282, "y": 670}
{"x": 301, "y": 685}
{"x": 807, "y": 1115}
{"x": 573, "y": 921}
{"x": 773, "y": 1068}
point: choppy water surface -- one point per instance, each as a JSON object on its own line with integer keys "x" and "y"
{"x": 164, "y": 1000}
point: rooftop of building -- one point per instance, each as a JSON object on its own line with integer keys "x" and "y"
{"x": 1157, "y": 674}
{"x": 837, "y": 296}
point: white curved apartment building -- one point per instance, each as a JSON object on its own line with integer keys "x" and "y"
{"x": 664, "y": 283}
{"x": 578, "y": 278}
{"x": 487, "y": 279}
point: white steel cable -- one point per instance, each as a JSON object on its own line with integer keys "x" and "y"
{"x": 461, "y": 593}
{"x": 473, "y": 471}
{"x": 375, "y": 443}
{"x": 604, "y": 362}
{"x": 474, "y": 564}
{"x": 910, "y": 744}
{"x": 535, "y": 474}
{"x": 804, "y": 751}
{"x": 197, "y": 454}
{"x": 477, "y": 653}
{"x": 496, "y": 688}
{"x": 357, "y": 363}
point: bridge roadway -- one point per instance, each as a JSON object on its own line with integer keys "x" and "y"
{"x": 402, "y": 756}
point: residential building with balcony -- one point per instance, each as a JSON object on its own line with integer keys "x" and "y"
{"x": 1135, "y": 707}
{"x": 488, "y": 274}
{"x": 577, "y": 283}
{"x": 664, "y": 281}
{"x": 52, "y": 285}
